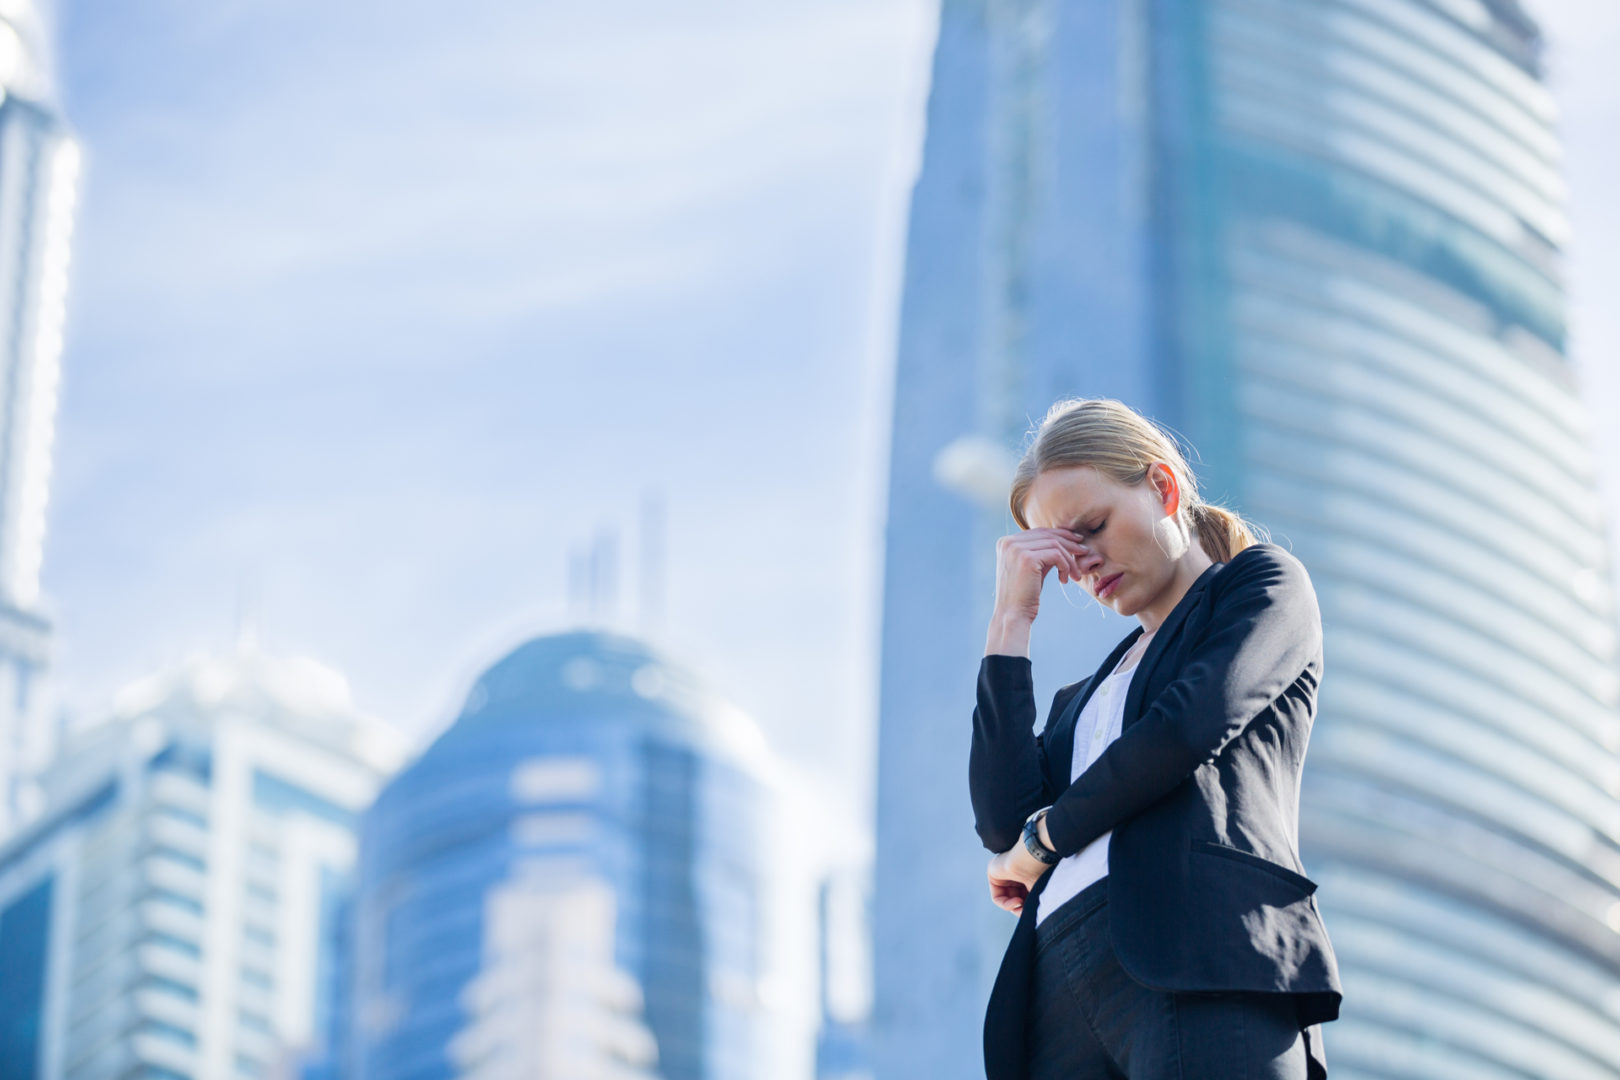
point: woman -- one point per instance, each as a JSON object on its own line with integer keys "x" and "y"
{"x": 1147, "y": 837}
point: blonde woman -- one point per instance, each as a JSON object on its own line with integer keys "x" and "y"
{"x": 1147, "y": 838}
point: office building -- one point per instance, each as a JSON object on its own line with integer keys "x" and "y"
{"x": 171, "y": 912}
{"x": 39, "y": 179}
{"x": 585, "y": 771}
{"x": 1321, "y": 241}
{"x": 549, "y": 1002}
{"x": 844, "y": 922}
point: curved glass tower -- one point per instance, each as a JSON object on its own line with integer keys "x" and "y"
{"x": 592, "y": 795}
{"x": 1322, "y": 240}
{"x": 1394, "y": 319}
{"x": 39, "y": 174}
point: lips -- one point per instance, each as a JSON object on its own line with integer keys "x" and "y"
{"x": 1107, "y": 584}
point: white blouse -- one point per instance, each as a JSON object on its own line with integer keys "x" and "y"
{"x": 1098, "y": 724}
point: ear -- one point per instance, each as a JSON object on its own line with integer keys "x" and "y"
{"x": 1167, "y": 487}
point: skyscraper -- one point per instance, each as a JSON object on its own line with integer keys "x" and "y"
{"x": 581, "y": 762}
{"x": 1321, "y": 240}
{"x": 844, "y": 919}
{"x": 39, "y": 170}
{"x": 549, "y": 1002}
{"x": 171, "y": 913}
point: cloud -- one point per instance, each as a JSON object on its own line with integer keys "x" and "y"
{"x": 375, "y": 302}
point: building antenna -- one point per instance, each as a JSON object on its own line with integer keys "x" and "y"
{"x": 605, "y": 576}
{"x": 579, "y": 585}
{"x": 246, "y": 636}
{"x": 651, "y": 571}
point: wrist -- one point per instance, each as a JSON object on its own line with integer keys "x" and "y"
{"x": 1037, "y": 847}
{"x": 1024, "y": 864}
{"x": 1009, "y": 634}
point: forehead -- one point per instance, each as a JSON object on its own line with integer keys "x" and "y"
{"x": 1061, "y": 497}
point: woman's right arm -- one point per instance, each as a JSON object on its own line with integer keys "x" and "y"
{"x": 1005, "y": 775}
{"x": 1007, "y": 764}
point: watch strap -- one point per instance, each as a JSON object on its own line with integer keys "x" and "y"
{"x": 1032, "y": 838}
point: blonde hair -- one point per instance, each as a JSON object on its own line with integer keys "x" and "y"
{"x": 1122, "y": 444}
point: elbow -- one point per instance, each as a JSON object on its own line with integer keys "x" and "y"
{"x": 1000, "y": 822}
{"x": 996, "y": 817}
{"x": 998, "y": 836}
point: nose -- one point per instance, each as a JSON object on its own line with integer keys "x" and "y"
{"x": 1088, "y": 560}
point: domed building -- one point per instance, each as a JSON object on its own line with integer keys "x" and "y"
{"x": 174, "y": 911}
{"x": 584, "y": 769}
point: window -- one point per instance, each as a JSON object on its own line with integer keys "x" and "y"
{"x": 169, "y": 986}
{"x": 168, "y": 1032}
{"x": 24, "y": 933}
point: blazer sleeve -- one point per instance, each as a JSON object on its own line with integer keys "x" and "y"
{"x": 1264, "y": 630}
{"x": 1007, "y": 763}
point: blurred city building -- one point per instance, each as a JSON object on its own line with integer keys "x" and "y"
{"x": 39, "y": 173}
{"x": 584, "y": 768}
{"x": 549, "y": 1004}
{"x": 170, "y": 914}
{"x": 1322, "y": 241}
{"x": 844, "y": 919}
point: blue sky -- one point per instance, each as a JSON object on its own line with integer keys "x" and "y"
{"x": 379, "y": 310}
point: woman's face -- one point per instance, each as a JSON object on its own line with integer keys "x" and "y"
{"x": 1126, "y": 530}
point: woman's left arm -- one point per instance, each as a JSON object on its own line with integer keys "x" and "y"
{"x": 1264, "y": 630}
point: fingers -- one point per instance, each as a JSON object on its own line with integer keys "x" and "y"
{"x": 1039, "y": 537}
{"x": 1055, "y": 556}
{"x": 1061, "y": 540}
{"x": 1023, "y": 559}
{"x": 1009, "y": 900}
{"x": 1007, "y": 894}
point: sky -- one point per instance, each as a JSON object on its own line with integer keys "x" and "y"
{"x": 1583, "y": 38}
{"x": 378, "y": 312}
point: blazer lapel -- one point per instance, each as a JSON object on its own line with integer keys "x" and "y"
{"x": 1161, "y": 641}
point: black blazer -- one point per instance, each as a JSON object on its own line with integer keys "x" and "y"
{"x": 1206, "y": 890}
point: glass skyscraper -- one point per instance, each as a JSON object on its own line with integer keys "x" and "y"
{"x": 171, "y": 915}
{"x": 549, "y": 1003}
{"x": 844, "y": 918}
{"x": 582, "y": 763}
{"x": 1321, "y": 240}
{"x": 39, "y": 172}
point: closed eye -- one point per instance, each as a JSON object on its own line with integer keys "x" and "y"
{"x": 1083, "y": 533}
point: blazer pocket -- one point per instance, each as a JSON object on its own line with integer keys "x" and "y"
{"x": 1260, "y": 862}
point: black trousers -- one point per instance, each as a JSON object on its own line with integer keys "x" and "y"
{"x": 1089, "y": 1020}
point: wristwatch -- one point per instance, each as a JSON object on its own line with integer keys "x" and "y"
{"x": 1032, "y": 838}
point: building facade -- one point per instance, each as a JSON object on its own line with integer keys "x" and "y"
{"x": 549, "y": 1003}
{"x": 844, "y": 974}
{"x": 170, "y": 914}
{"x": 39, "y": 177}
{"x": 1322, "y": 241}
{"x": 581, "y": 758}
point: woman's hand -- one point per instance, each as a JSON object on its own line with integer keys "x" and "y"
{"x": 1012, "y": 874}
{"x": 1022, "y": 561}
